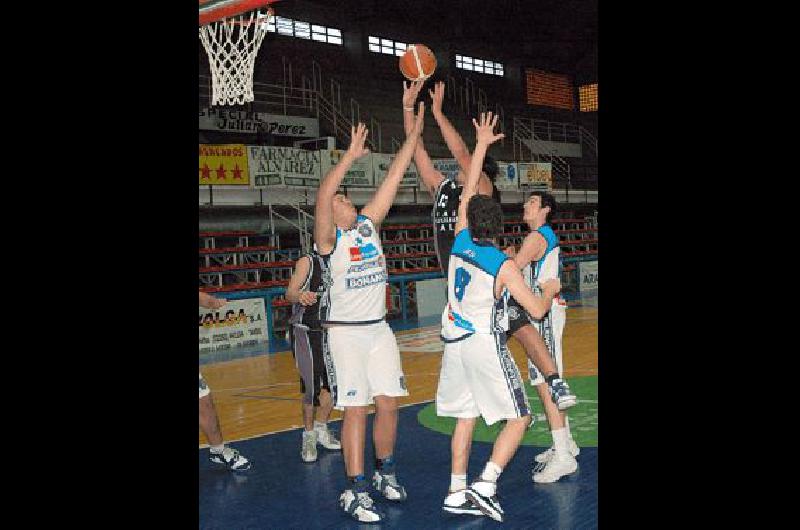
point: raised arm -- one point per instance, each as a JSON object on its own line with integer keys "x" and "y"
{"x": 533, "y": 247}
{"x": 293, "y": 292}
{"x": 377, "y": 208}
{"x": 211, "y": 302}
{"x": 324, "y": 227}
{"x": 451, "y": 137}
{"x": 430, "y": 175}
{"x": 485, "y": 137}
{"x": 538, "y": 306}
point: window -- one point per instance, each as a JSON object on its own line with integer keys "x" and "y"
{"x": 304, "y": 30}
{"x": 479, "y": 65}
{"x": 588, "y": 97}
{"x": 386, "y": 46}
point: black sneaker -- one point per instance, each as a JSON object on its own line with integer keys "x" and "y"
{"x": 457, "y": 502}
{"x": 360, "y": 507}
{"x": 562, "y": 397}
{"x": 234, "y": 462}
{"x": 484, "y": 495}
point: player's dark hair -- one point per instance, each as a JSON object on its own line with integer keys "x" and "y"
{"x": 485, "y": 217}
{"x": 495, "y": 193}
{"x": 547, "y": 199}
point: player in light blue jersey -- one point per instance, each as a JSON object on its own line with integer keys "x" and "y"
{"x": 479, "y": 376}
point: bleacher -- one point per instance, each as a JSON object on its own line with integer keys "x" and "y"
{"x": 230, "y": 262}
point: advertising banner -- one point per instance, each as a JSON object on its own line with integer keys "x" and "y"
{"x": 238, "y": 323}
{"x": 223, "y": 164}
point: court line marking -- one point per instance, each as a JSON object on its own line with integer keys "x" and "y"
{"x": 226, "y": 441}
{"x": 205, "y": 446}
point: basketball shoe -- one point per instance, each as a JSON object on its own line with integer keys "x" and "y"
{"x": 457, "y": 502}
{"x": 484, "y": 495}
{"x": 360, "y": 506}
{"x": 562, "y": 397}
{"x": 231, "y": 458}
{"x": 326, "y": 438}
{"x": 308, "y": 451}
{"x": 555, "y": 468}
{"x": 545, "y": 456}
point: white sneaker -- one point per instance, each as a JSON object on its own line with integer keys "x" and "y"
{"x": 484, "y": 495}
{"x": 327, "y": 439}
{"x": 230, "y": 457}
{"x": 388, "y": 486}
{"x": 359, "y": 506}
{"x": 457, "y": 502}
{"x": 555, "y": 468}
{"x": 545, "y": 456}
{"x": 309, "y": 449}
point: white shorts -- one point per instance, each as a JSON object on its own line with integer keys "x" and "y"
{"x": 480, "y": 378}
{"x": 204, "y": 390}
{"x": 551, "y": 328}
{"x": 363, "y": 362}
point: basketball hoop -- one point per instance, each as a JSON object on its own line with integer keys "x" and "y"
{"x": 232, "y": 45}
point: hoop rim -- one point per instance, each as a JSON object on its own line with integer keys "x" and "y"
{"x": 215, "y": 10}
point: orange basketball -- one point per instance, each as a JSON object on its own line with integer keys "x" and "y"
{"x": 418, "y": 62}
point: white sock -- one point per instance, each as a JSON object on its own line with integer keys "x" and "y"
{"x": 306, "y": 434}
{"x": 560, "y": 440}
{"x": 491, "y": 472}
{"x": 458, "y": 482}
{"x": 320, "y": 426}
{"x": 566, "y": 426}
{"x": 217, "y": 449}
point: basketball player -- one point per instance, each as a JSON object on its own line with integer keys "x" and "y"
{"x": 446, "y": 199}
{"x": 538, "y": 258}
{"x": 363, "y": 360}
{"x": 310, "y": 280}
{"x": 479, "y": 375}
{"x": 209, "y": 422}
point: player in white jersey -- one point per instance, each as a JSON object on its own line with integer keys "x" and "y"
{"x": 446, "y": 200}
{"x": 219, "y": 453}
{"x": 538, "y": 258}
{"x": 363, "y": 358}
{"x": 478, "y": 375}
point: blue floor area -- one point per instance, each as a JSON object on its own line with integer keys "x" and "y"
{"x": 280, "y": 491}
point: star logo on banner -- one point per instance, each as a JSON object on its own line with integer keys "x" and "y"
{"x": 237, "y": 173}
{"x": 206, "y": 172}
{"x": 220, "y": 172}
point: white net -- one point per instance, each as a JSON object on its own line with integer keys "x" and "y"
{"x": 232, "y": 45}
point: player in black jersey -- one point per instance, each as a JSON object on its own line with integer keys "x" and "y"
{"x": 310, "y": 280}
{"x": 447, "y": 196}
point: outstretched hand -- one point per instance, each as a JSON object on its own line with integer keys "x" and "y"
{"x": 410, "y": 93}
{"x": 358, "y": 136}
{"x": 437, "y": 95}
{"x": 484, "y": 130}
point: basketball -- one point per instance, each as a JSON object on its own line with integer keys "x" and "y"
{"x": 418, "y": 62}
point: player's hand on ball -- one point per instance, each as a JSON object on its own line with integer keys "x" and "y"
{"x": 484, "y": 130}
{"x": 358, "y": 136}
{"x": 307, "y": 298}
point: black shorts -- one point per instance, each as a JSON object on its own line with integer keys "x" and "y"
{"x": 307, "y": 347}
{"x": 517, "y": 316}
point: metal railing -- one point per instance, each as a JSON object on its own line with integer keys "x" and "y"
{"x": 523, "y": 138}
{"x": 304, "y": 225}
{"x": 588, "y": 139}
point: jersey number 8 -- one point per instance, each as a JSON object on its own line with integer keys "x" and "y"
{"x": 461, "y": 281}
